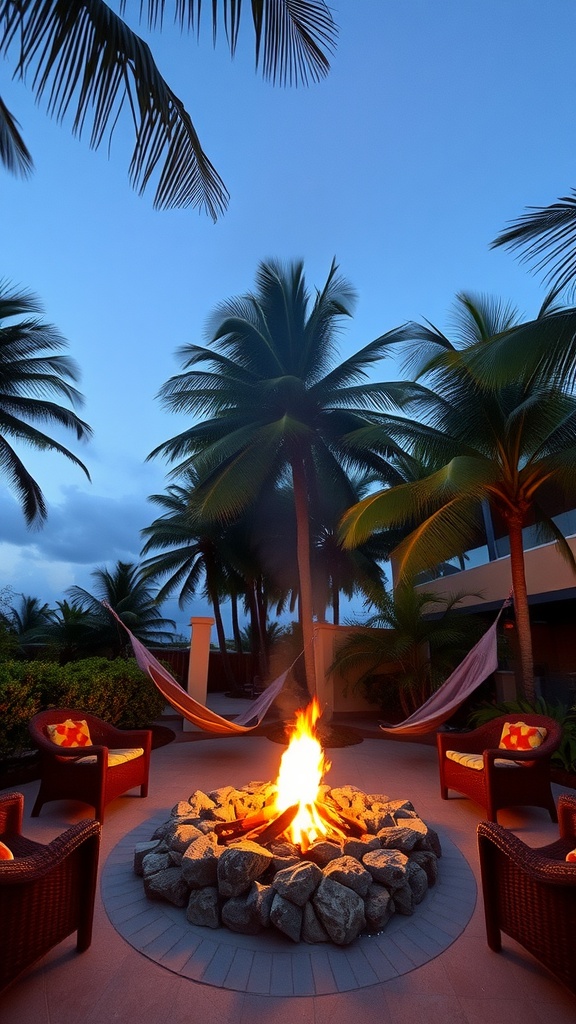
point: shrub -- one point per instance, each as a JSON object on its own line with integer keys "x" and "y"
{"x": 117, "y": 691}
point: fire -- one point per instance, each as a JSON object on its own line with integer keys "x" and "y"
{"x": 302, "y": 768}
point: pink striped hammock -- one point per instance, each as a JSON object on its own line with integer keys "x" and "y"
{"x": 192, "y": 710}
{"x": 478, "y": 664}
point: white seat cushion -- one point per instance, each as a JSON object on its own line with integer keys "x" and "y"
{"x": 118, "y": 756}
{"x": 476, "y": 761}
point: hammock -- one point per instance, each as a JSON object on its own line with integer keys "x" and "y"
{"x": 478, "y": 664}
{"x": 191, "y": 709}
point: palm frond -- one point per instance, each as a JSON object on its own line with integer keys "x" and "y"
{"x": 545, "y": 236}
{"x": 14, "y": 154}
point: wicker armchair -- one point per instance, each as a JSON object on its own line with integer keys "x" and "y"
{"x": 66, "y": 776}
{"x": 524, "y": 780}
{"x": 530, "y": 894}
{"x": 46, "y": 892}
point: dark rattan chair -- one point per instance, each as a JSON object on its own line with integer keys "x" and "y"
{"x": 64, "y": 776}
{"x": 530, "y": 894}
{"x": 524, "y": 781}
{"x": 46, "y": 892}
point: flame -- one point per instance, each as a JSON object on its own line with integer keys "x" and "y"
{"x": 302, "y": 768}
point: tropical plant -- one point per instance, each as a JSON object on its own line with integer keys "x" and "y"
{"x": 26, "y": 623}
{"x": 30, "y": 378}
{"x": 128, "y": 593}
{"x": 512, "y": 448}
{"x": 421, "y": 633}
{"x": 192, "y": 556}
{"x": 73, "y": 632}
{"x": 276, "y": 409}
{"x": 83, "y": 58}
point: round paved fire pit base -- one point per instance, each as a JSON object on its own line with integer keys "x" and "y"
{"x": 269, "y": 963}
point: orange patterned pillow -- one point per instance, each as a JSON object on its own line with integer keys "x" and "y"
{"x": 70, "y": 734}
{"x": 571, "y": 856}
{"x": 519, "y": 736}
{"x": 5, "y": 852}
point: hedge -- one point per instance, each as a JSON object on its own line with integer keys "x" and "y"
{"x": 117, "y": 691}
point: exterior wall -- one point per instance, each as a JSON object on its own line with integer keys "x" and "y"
{"x": 335, "y": 692}
{"x": 546, "y": 572}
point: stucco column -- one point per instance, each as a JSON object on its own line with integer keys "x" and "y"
{"x": 198, "y": 666}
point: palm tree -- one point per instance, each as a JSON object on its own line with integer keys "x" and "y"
{"x": 277, "y": 410}
{"x": 190, "y": 551}
{"x": 30, "y": 377}
{"x": 74, "y": 631}
{"x": 27, "y": 620}
{"x": 83, "y": 58}
{"x": 126, "y": 590}
{"x": 420, "y": 632}
{"x": 513, "y": 448}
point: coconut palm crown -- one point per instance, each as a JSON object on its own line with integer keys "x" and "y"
{"x": 84, "y": 60}
{"x": 512, "y": 447}
{"x": 33, "y": 371}
{"x": 272, "y": 405}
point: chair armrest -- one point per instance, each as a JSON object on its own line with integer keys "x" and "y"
{"x": 44, "y": 859}
{"x": 11, "y": 813}
{"x": 538, "y": 867}
{"x": 132, "y": 738}
{"x": 567, "y": 816}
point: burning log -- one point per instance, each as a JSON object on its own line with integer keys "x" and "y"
{"x": 299, "y": 812}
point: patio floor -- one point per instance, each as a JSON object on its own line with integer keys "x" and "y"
{"x": 442, "y": 968}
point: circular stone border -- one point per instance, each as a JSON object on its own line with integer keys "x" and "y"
{"x": 269, "y": 963}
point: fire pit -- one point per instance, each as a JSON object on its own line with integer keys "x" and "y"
{"x": 314, "y": 863}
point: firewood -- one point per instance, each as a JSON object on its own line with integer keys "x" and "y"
{"x": 233, "y": 829}
{"x": 340, "y": 822}
{"x": 275, "y": 828}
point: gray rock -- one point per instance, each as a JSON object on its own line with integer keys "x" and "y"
{"x": 167, "y": 885}
{"x": 312, "y": 930}
{"x": 286, "y": 917}
{"x": 417, "y": 880}
{"x": 200, "y": 863}
{"x": 400, "y": 837}
{"x": 340, "y": 910}
{"x": 378, "y": 907}
{"x": 239, "y": 914}
{"x": 404, "y": 900}
{"x": 240, "y": 865}
{"x": 260, "y": 899}
{"x": 297, "y": 883}
{"x": 428, "y": 861}
{"x": 387, "y": 867}
{"x": 203, "y": 907}
{"x": 181, "y": 835}
{"x": 322, "y": 852}
{"x": 358, "y": 847}
{"x": 349, "y": 872}
{"x": 141, "y": 850}
{"x": 154, "y": 862}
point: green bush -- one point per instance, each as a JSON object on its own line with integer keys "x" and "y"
{"x": 117, "y": 691}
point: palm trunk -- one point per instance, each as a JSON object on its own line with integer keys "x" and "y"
{"x": 517, "y": 571}
{"x": 262, "y": 614}
{"x": 235, "y": 623}
{"x": 304, "y": 573}
{"x": 228, "y": 674}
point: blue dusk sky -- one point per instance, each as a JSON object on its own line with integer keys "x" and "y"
{"x": 438, "y": 124}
